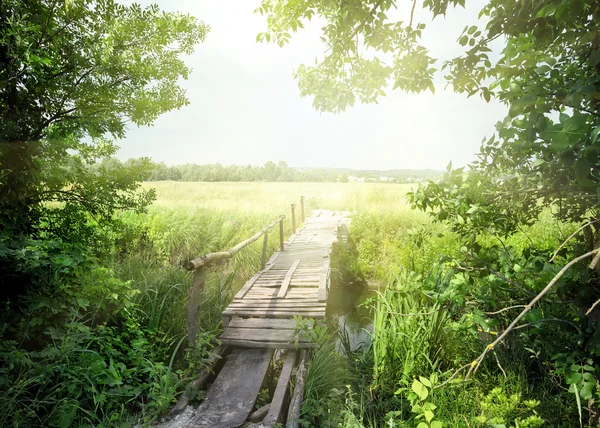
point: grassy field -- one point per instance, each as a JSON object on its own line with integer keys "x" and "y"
{"x": 275, "y": 198}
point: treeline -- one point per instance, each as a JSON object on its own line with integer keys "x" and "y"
{"x": 270, "y": 171}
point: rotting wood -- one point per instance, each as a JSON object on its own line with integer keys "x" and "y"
{"x": 232, "y": 396}
{"x": 263, "y": 335}
{"x": 263, "y": 323}
{"x": 240, "y": 294}
{"x": 260, "y": 414}
{"x": 276, "y": 304}
{"x": 286, "y": 282}
{"x": 323, "y": 282}
{"x": 268, "y": 345}
{"x": 276, "y": 411}
{"x": 207, "y": 259}
{"x": 276, "y": 314}
{"x": 297, "y": 395}
{"x": 203, "y": 376}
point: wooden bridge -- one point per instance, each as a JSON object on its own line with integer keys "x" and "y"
{"x": 261, "y": 322}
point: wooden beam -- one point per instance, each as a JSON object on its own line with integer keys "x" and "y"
{"x": 240, "y": 294}
{"x": 298, "y": 395}
{"x": 204, "y": 375}
{"x": 207, "y": 259}
{"x": 286, "y": 281}
{"x": 276, "y": 412}
{"x": 263, "y": 323}
{"x": 266, "y": 345}
{"x": 323, "y": 282}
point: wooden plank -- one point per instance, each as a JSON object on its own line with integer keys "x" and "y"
{"x": 271, "y": 262}
{"x": 262, "y": 323}
{"x": 286, "y": 282}
{"x": 274, "y": 314}
{"x": 323, "y": 282}
{"x": 240, "y": 294}
{"x": 298, "y": 395}
{"x": 232, "y": 396}
{"x": 267, "y": 345}
{"x": 263, "y": 335}
{"x": 276, "y": 304}
{"x": 275, "y": 414}
{"x": 236, "y": 310}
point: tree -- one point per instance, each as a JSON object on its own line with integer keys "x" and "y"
{"x": 73, "y": 75}
{"x": 548, "y": 70}
{"x": 546, "y": 149}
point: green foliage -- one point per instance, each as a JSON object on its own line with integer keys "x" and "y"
{"x": 81, "y": 357}
{"x": 326, "y": 380}
{"x": 73, "y": 74}
{"x": 422, "y": 409}
{"x": 411, "y": 334}
{"x": 497, "y": 409}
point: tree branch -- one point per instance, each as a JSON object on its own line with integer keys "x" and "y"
{"x": 477, "y": 362}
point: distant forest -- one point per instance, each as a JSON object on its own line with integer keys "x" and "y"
{"x": 270, "y": 171}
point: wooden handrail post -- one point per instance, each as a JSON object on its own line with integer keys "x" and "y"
{"x": 264, "y": 252}
{"x": 294, "y": 218}
{"x": 302, "y": 208}
{"x": 281, "y": 233}
{"x": 194, "y": 303}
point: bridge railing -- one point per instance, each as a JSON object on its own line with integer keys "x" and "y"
{"x": 200, "y": 264}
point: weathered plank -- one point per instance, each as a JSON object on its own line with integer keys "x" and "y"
{"x": 286, "y": 282}
{"x": 267, "y": 345}
{"x": 262, "y": 323}
{"x": 323, "y": 282}
{"x": 263, "y": 335}
{"x": 276, "y": 412}
{"x": 276, "y": 304}
{"x": 298, "y": 395}
{"x": 275, "y": 314}
{"x": 232, "y": 396}
{"x": 240, "y": 294}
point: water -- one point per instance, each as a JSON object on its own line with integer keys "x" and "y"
{"x": 350, "y": 309}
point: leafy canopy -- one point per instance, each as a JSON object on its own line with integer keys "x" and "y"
{"x": 73, "y": 75}
{"x": 547, "y": 74}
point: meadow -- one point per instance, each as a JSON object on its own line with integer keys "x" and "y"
{"x": 428, "y": 317}
{"x": 404, "y": 251}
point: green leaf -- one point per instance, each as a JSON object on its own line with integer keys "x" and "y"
{"x": 420, "y": 390}
{"x": 428, "y": 415}
{"x": 429, "y": 406}
{"x": 572, "y": 377}
{"x": 425, "y": 381}
{"x": 582, "y": 168}
{"x": 436, "y": 424}
{"x": 537, "y": 162}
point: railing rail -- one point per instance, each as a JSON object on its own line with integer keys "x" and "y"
{"x": 210, "y": 258}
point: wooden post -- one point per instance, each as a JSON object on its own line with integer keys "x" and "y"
{"x": 264, "y": 252}
{"x": 302, "y": 208}
{"x": 194, "y": 303}
{"x": 281, "y": 233}
{"x": 294, "y": 218}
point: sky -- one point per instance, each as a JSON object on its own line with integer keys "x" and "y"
{"x": 245, "y": 106}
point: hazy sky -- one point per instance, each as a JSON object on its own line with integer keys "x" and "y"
{"x": 245, "y": 106}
